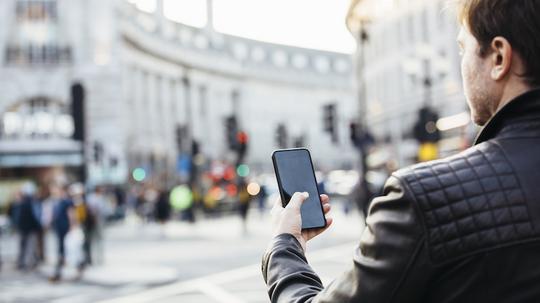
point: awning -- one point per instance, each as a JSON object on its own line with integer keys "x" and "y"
{"x": 40, "y": 153}
{"x": 40, "y": 160}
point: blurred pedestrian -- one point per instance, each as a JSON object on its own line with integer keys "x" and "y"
{"x": 361, "y": 195}
{"x": 151, "y": 196}
{"x": 44, "y": 220}
{"x": 28, "y": 225}
{"x": 244, "y": 199}
{"x": 139, "y": 203}
{"x": 197, "y": 197}
{"x": 120, "y": 203}
{"x": 47, "y": 210}
{"x": 261, "y": 199}
{"x": 162, "y": 209}
{"x": 98, "y": 209}
{"x": 13, "y": 210}
{"x": 86, "y": 220}
{"x": 62, "y": 221}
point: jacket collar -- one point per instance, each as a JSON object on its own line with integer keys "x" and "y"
{"x": 523, "y": 107}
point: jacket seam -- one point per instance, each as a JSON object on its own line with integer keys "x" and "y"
{"x": 421, "y": 239}
{"x": 407, "y": 192}
{"x": 490, "y": 205}
{"x": 414, "y": 257}
{"x": 520, "y": 186}
{"x": 505, "y": 194}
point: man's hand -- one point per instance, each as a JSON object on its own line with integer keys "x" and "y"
{"x": 288, "y": 220}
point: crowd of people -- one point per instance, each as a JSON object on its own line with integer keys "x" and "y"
{"x": 182, "y": 202}
{"x": 75, "y": 217}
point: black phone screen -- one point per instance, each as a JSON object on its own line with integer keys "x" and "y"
{"x": 294, "y": 172}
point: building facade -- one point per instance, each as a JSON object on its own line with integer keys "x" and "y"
{"x": 408, "y": 59}
{"x": 141, "y": 79}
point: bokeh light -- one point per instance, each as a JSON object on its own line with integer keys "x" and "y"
{"x": 242, "y": 170}
{"x": 181, "y": 197}
{"x": 253, "y": 188}
{"x": 139, "y": 174}
{"x": 232, "y": 190}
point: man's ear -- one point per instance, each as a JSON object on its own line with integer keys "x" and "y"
{"x": 501, "y": 58}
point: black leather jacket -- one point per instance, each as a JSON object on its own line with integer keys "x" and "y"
{"x": 461, "y": 229}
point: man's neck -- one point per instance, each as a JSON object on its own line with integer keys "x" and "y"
{"x": 511, "y": 92}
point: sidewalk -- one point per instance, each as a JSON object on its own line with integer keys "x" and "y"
{"x": 240, "y": 285}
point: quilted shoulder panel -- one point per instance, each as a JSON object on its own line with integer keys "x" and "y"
{"x": 470, "y": 202}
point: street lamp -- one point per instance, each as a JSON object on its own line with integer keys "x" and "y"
{"x": 358, "y": 21}
{"x": 363, "y": 39}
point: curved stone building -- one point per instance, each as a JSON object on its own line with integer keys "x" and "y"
{"x": 145, "y": 83}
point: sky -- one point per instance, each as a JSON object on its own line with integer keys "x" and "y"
{"x": 317, "y": 24}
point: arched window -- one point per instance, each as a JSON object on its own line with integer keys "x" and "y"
{"x": 38, "y": 117}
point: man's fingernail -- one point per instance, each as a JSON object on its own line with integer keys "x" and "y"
{"x": 306, "y": 194}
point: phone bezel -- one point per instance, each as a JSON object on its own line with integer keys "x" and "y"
{"x": 280, "y": 187}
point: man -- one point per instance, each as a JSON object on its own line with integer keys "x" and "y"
{"x": 98, "y": 211}
{"x": 28, "y": 225}
{"x": 461, "y": 229}
{"x": 62, "y": 221}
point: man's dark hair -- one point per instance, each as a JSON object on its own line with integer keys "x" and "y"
{"x": 518, "y": 21}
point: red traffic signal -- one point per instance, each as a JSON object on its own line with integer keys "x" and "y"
{"x": 242, "y": 137}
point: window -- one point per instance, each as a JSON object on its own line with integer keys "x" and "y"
{"x": 280, "y": 58}
{"x": 34, "y": 40}
{"x": 258, "y": 54}
{"x": 300, "y": 61}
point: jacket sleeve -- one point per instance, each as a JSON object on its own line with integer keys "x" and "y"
{"x": 389, "y": 265}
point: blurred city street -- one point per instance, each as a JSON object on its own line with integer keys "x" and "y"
{"x": 209, "y": 261}
{"x": 136, "y": 136}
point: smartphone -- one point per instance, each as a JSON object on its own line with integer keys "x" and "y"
{"x": 295, "y": 173}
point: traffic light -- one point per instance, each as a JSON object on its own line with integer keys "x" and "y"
{"x": 195, "y": 147}
{"x": 425, "y": 129}
{"x": 77, "y": 111}
{"x": 242, "y": 143}
{"x": 353, "y": 129}
{"x": 281, "y": 136}
{"x": 329, "y": 121}
{"x": 98, "y": 151}
{"x": 231, "y": 131}
{"x": 360, "y": 136}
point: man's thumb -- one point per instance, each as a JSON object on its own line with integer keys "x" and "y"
{"x": 297, "y": 200}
